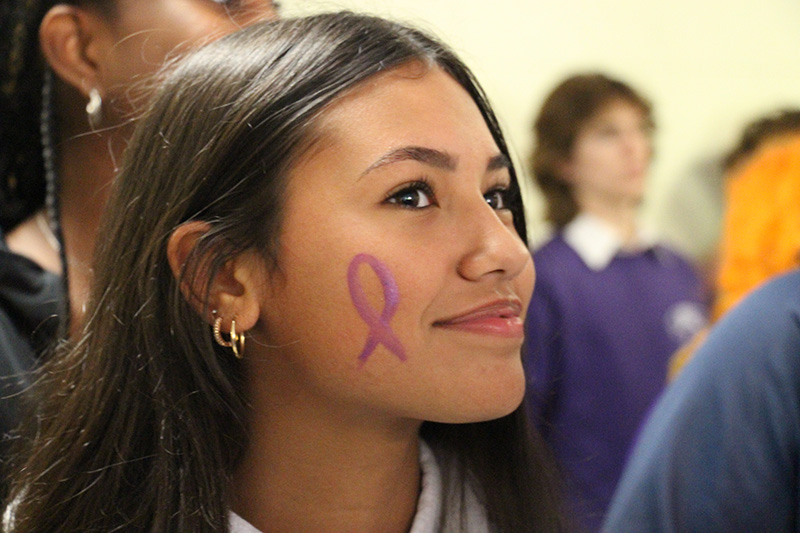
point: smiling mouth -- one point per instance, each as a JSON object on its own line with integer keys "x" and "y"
{"x": 501, "y": 319}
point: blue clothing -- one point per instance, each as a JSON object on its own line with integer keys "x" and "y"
{"x": 720, "y": 452}
{"x": 597, "y": 350}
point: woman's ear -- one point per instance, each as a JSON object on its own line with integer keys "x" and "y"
{"x": 74, "y": 40}
{"x": 234, "y": 292}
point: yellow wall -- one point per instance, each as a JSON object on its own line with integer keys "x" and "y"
{"x": 708, "y": 66}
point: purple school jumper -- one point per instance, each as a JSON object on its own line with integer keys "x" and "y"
{"x": 598, "y": 341}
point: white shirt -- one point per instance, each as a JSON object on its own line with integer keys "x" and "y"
{"x": 597, "y": 242}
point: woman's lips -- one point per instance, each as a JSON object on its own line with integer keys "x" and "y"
{"x": 501, "y": 318}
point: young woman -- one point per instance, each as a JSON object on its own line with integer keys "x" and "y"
{"x": 336, "y": 191}
{"x": 611, "y": 305}
{"x": 68, "y": 72}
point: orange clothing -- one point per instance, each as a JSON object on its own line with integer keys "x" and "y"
{"x": 761, "y": 228}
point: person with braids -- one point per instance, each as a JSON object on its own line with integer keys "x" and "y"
{"x": 68, "y": 75}
{"x": 336, "y": 191}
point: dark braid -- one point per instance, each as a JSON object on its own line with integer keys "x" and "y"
{"x": 22, "y": 183}
{"x": 52, "y": 189}
{"x": 23, "y": 188}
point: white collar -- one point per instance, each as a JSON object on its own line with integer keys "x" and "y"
{"x": 237, "y": 524}
{"x": 597, "y": 242}
{"x": 429, "y": 505}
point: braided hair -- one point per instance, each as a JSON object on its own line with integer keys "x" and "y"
{"x": 23, "y": 182}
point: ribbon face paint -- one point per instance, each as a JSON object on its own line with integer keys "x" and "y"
{"x": 380, "y": 332}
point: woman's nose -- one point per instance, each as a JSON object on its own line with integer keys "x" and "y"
{"x": 493, "y": 247}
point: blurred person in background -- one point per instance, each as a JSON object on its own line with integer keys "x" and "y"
{"x": 761, "y": 227}
{"x": 720, "y": 451}
{"x": 71, "y": 77}
{"x": 610, "y": 304}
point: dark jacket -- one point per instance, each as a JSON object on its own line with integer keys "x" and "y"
{"x": 31, "y": 300}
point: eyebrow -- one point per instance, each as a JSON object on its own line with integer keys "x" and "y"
{"x": 431, "y": 157}
{"x": 500, "y": 161}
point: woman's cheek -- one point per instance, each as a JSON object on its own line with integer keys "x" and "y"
{"x": 376, "y": 313}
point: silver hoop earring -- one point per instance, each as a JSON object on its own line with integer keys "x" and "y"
{"x": 94, "y": 109}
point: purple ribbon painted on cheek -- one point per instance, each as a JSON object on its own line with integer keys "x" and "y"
{"x": 380, "y": 332}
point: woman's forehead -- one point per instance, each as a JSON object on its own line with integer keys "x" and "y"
{"x": 390, "y": 99}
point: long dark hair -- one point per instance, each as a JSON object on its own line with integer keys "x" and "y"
{"x": 564, "y": 112}
{"x": 139, "y": 425}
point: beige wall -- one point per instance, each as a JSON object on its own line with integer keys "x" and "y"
{"x": 708, "y": 66}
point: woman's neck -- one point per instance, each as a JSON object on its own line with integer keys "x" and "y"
{"x": 86, "y": 171}
{"x": 302, "y": 473}
{"x": 86, "y": 167}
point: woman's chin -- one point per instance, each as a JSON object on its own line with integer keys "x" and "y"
{"x": 491, "y": 399}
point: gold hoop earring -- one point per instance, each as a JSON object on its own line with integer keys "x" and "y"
{"x": 217, "y": 336}
{"x": 236, "y": 342}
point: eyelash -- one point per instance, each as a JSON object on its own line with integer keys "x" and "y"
{"x": 424, "y": 186}
{"x": 419, "y": 185}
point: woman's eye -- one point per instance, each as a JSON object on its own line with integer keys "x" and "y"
{"x": 414, "y": 196}
{"x": 497, "y": 198}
